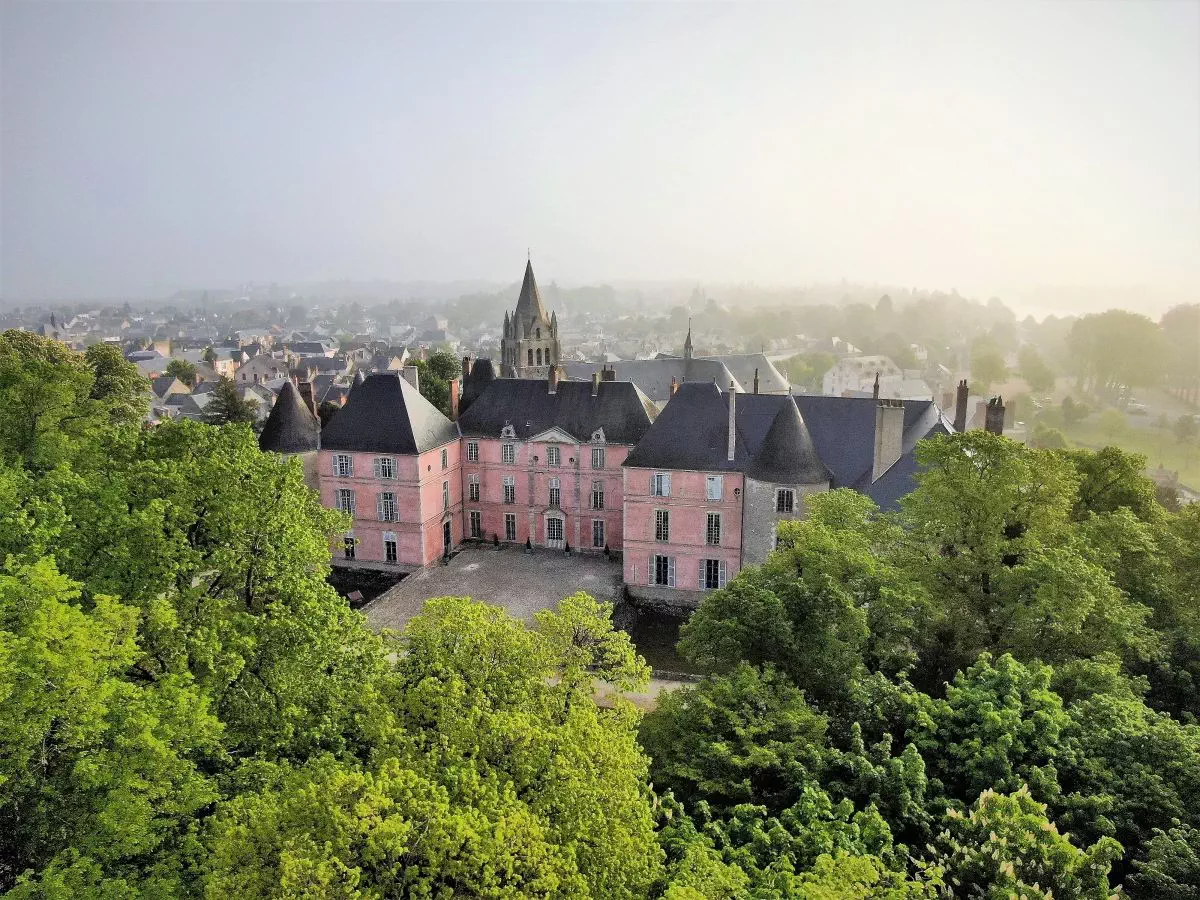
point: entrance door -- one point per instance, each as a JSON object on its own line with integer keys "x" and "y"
{"x": 554, "y": 533}
{"x": 445, "y": 537}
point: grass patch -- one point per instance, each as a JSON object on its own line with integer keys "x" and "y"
{"x": 1156, "y": 444}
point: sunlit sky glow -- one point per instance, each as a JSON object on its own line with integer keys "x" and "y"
{"x": 991, "y": 147}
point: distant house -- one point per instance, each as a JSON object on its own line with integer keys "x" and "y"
{"x": 165, "y": 386}
{"x": 261, "y": 368}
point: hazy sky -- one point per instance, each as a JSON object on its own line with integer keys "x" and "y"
{"x": 984, "y": 146}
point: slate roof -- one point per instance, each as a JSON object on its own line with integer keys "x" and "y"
{"x": 743, "y": 367}
{"x": 291, "y": 427}
{"x": 483, "y": 373}
{"x": 623, "y": 411}
{"x": 692, "y": 433}
{"x": 654, "y": 376}
{"x": 162, "y": 384}
{"x": 386, "y": 414}
{"x": 529, "y": 304}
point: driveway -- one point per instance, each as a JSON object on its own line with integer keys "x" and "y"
{"x": 522, "y": 583}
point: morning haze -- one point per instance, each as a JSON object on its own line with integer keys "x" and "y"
{"x": 1046, "y": 153}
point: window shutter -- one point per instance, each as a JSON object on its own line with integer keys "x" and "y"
{"x": 721, "y": 576}
{"x": 378, "y": 468}
{"x": 651, "y": 484}
{"x": 335, "y": 465}
{"x": 667, "y": 485}
{"x": 379, "y": 507}
{"x": 671, "y": 571}
{"x": 700, "y": 577}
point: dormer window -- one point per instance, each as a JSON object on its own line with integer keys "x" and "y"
{"x": 508, "y": 432}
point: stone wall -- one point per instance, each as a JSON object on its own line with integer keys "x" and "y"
{"x": 759, "y": 516}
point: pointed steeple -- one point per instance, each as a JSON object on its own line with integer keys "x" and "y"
{"x": 291, "y": 426}
{"x": 687, "y": 344}
{"x": 529, "y": 304}
{"x": 554, "y": 322}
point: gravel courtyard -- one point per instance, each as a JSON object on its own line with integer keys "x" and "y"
{"x": 522, "y": 583}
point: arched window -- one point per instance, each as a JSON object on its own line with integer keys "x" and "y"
{"x": 531, "y": 357}
{"x": 539, "y": 333}
{"x": 539, "y": 356}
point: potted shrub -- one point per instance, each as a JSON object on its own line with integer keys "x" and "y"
{"x": 495, "y": 541}
{"x": 528, "y": 545}
{"x": 567, "y": 548}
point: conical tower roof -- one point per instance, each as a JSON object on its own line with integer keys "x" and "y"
{"x": 529, "y": 304}
{"x": 291, "y": 427}
{"x": 787, "y": 454}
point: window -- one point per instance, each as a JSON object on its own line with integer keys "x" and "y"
{"x": 386, "y": 507}
{"x": 553, "y": 456}
{"x": 343, "y": 465}
{"x": 597, "y": 457}
{"x": 445, "y": 459}
{"x": 662, "y": 525}
{"x": 531, "y": 357}
{"x": 554, "y": 530}
{"x": 539, "y": 356}
{"x": 385, "y": 467}
{"x": 476, "y": 524}
{"x": 389, "y": 546}
{"x": 598, "y": 533}
{"x": 660, "y": 484}
{"x": 473, "y": 488}
{"x": 712, "y": 534}
{"x": 472, "y": 451}
{"x": 712, "y": 574}
{"x": 510, "y": 489}
{"x": 343, "y": 499}
{"x": 714, "y": 487}
{"x": 537, "y": 333}
{"x": 662, "y": 570}
{"x": 348, "y": 546}
{"x": 445, "y": 495}
{"x": 510, "y": 526}
{"x": 508, "y": 454}
{"x": 555, "y": 493}
{"x": 597, "y": 495}
{"x": 784, "y": 500}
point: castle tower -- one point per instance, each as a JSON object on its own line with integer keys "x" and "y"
{"x": 529, "y": 344}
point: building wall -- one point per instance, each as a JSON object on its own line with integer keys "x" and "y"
{"x": 760, "y": 516}
{"x": 688, "y": 507}
{"x": 419, "y": 508}
{"x": 532, "y": 481}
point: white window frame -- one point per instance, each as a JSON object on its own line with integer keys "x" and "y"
{"x": 445, "y": 459}
{"x": 385, "y": 506}
{"x": 473, "y": 488}
{"x": 782, "y": 495}
{"x": 476, "y": 523}
{"x": 389, "y": 537}
{"x": 662, "y": 526}
{"x": 510, "y": 489}
{"x": 722, "y": 574}
{"x": 472, "y": 451}
{"x": 343, "y": 465}
{"x": 343, "y": 499}
{"x": 510, "y": 526}
{"x": 597, "y": 495}
{"x": 653, "y": 570}
{"x": 553, "y": 455}
{"x": 660, "y": 484}
{"x": 599, "y": 537}
{"x": 508, "y": 454}
{"x": 558, "y": 523}
{"x": 712, "y": 530}
{"x": 714, "y": 487}
{"x": 597, "y": 457}
{"x": 385, "y": 467}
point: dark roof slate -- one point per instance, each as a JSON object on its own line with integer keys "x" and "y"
{"x": 529, "y": 304}
{"x": 290, "y": 428}
{"x": 787, "y": 454}
{"x": 386, "y": 414}
{"x": 654, "y": 376}
{"x": 618, "y": 407}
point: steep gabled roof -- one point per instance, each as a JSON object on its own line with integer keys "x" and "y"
{"x": 385, "y": 414}
{"x": 619, "y": 408}
{"x": 291, "y": 427}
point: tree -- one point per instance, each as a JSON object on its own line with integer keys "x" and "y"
{"x": 183, "y": 370}
{"x": 118, "y": 385}
{"x": 987, "y": 365}
{"x": 1073, "y": 411}
{"x": 1186, "y": 429}
{"x": 1180, "y": 325}
{"x": 210, "y": 355}
{"x": 1113, "y": 424}
{"x": 434, "y": 377}
{"x": 1116, "y": 348}
{"x": 1169, "y": 866}
{"x": 227, "y": 407}
{"x": 1037, "y": 374}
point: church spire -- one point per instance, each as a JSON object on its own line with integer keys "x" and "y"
{"x": 529, "y": 304}
{"x": 687, "y": 344}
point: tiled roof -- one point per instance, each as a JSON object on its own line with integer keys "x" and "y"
{"x": 291, "y": 427}
{"x": 386, "y": 414}
{"x": 619, "y": 408}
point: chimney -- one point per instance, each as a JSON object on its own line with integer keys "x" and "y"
{"x": 412, "y": 375}
{"x": 608, "y": 373}
{"x": 732, "y": 421}
{"x": 875, "y": 390}
{"x": 994, "y": 416}
{"x": 960, "y": 407}
{"x": 466, "y": 369}
{"x": 756, "y": 381}
{"x": 889, "y": 435}
{"x": 455, "y": 393}
{"x": 595, "y": 383}
{"x": 552, "y": 379}
{"x": 306, "y": 394}
{"x": 674, "y": 385}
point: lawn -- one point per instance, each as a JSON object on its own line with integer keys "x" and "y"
{"x": 1156, "y": 444}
